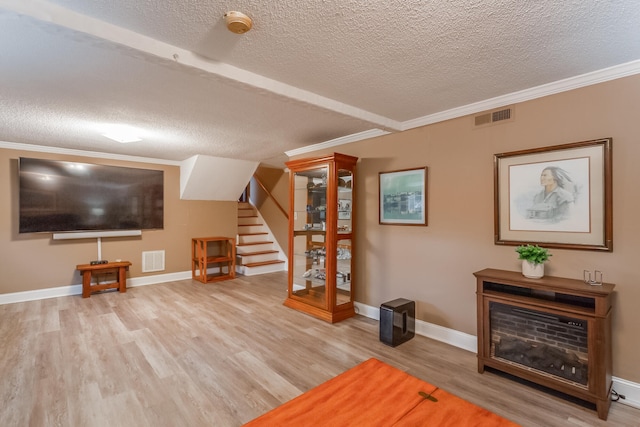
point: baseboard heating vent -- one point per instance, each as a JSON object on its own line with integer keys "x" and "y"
{"x": 152, "y": 261}
{"x": 493, "y": 116}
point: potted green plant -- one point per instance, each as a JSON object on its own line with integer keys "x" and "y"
{"x": 533, "y": 258}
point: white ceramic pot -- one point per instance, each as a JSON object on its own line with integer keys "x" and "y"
{"x": 532, "y": 270}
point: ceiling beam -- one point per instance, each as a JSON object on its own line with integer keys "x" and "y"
{"x": 51, "y": 13}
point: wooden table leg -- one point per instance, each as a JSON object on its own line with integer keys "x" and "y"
{"x": 122, "y": 279}
{"x": 86, "y": 284}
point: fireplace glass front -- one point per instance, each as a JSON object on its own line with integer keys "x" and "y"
{"x": 547, "y": 343}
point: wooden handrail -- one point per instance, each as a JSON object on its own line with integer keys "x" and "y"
{"x": 284, "y": 212}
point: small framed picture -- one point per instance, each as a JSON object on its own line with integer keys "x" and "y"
{"x": 403, "y": 195}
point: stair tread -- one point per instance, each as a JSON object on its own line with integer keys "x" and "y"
{"x": 257, "y": 264}
{"x": 264, "y": 242}
{"x": 258, "y": 253}
{"x": 248, "y": 213}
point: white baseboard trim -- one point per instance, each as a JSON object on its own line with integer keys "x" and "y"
{"x": 629, "y": 389}
{"x": 64, "y": 291}
{"x": 158, "y": 278}
{"x": 429, "y": 330}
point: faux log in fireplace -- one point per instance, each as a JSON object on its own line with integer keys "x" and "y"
{"x": 553, "y": 331}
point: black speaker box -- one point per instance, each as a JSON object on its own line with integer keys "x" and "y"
{"x": 397, "y": 321}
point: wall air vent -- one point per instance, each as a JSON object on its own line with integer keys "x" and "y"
{"x": 493, "y": 116}
{"x": 152, "y": 261}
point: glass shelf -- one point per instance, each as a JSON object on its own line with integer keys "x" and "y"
{"x": 321, "y": 230}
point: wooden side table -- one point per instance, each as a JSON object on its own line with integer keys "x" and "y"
{"x": 87, "y": 270}
{"x": 216, "y": 253}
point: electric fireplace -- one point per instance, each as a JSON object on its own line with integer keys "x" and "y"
{"x": 553, "y": 331}
{"x": 551, "y": 344}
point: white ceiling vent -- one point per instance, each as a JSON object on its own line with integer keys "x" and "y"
{"x": 504, "y": 114}
{"x": 152, "y": 261}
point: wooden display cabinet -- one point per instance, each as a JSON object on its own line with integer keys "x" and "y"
{"x": 321, "y": 231}
{"x": 213, "y": 258}
{"x": 552, "y": 331}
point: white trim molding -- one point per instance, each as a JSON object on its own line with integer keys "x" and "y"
{"x": 429, "y": 330}
{"x": 565, "y": 85}
{"x": 65, "y": 291}
{"x": 368, "y": 134}
{"x": 83, "y": 153}
{"x": 630, "y": 390}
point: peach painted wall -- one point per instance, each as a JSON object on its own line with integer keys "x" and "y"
{"x": 434, "y": 265}
{"x": 277, "y": 183}
{"x": 35, "y": 261}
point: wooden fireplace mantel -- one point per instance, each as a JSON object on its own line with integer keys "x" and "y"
{"x": 560, "y": 297}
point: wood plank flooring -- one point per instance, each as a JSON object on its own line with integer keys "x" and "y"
{"x": 188, "y": 354}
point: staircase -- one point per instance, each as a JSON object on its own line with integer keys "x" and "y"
{"x": 256, "y": 250}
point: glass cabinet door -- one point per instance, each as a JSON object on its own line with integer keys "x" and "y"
{"x": 321, "y": 235}
{"x": 344, "y": 229}
{"x": 309, "y": 241}
{"x": 343, "y": 273}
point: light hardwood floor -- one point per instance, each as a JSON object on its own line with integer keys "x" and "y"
{"x": 189, "y": 354}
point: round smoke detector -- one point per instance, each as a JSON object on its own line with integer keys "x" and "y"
{"x": 238, "y": 22}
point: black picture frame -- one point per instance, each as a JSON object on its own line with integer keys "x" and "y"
{"x": 403, "y": 197}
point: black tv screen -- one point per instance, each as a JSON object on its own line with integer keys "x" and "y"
{"x": 58, "y": 196}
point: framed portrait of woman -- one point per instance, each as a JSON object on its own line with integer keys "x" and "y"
{"x": 558, "y": 196}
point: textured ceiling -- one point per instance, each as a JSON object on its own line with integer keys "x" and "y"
{"x": 307, "y": 73}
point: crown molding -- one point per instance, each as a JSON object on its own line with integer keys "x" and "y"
{"x": 83, "y": 153}
{"x": 338, "y": 141}
{"x": 588, "y": 79}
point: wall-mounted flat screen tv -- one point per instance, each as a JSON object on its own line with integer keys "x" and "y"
{"x": 57, "y": 196}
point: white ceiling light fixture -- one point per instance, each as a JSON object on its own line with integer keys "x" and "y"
{"x": 238, "y": 22}
{"x": 122, "y": 134}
